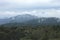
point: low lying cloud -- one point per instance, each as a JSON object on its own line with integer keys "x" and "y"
{"x": 39, "y": 13}
{"x": 40, "y": 8}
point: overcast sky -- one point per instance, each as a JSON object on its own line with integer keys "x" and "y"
{"x": 41, "y": 8}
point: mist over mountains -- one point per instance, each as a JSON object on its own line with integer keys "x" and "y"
{"x": 28, "y": 19}
{"x": 18, "y": 19}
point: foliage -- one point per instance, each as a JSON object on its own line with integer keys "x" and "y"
{"x": 30, "y": 33}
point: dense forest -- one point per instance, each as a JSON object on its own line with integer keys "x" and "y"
{"x": 49, "y": 32}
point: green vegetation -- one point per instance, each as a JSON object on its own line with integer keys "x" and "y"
{"x": 30, "y": 33}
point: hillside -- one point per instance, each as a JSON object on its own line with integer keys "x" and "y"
{"x": 30, "y": 33}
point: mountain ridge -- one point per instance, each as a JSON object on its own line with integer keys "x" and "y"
{"x": 18, "y": 18}
{"x": 28, "y": 19}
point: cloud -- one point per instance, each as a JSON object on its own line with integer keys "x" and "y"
{"x": 39, "y": 13}
{"x": 41, "y": 8}
{"x": 28, "y": 4}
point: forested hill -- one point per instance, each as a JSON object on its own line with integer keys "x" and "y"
{"x": 36, "y": 22}
{"x": 31, "y": 20}
{"x": 18, "y": 19}
{"x": 30, "y": 33}
{"x": 34, "y": 29}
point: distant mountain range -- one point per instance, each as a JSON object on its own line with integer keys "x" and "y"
{"x": 18, "y": 19}
{"x": 30, "y": 20}
{"x": 23, "y": 18}
{"x": 44, "y": 21}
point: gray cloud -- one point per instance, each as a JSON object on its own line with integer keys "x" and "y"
{"x": 28, "y": 4}
{"x": 17, "y": 7}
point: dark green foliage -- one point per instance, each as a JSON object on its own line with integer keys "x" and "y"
{"x": 28, "y": 32}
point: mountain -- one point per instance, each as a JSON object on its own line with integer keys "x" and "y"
{"x": 18, "y": 19}
{"x": 28, "y": 19}
{"x": 44, "y": 21}
{"x": 35, "y": 22}
{"x": 23, "y": 18}
{"x": 4, "y": 21}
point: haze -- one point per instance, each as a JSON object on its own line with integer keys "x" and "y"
{"x": 40, "y": 8}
